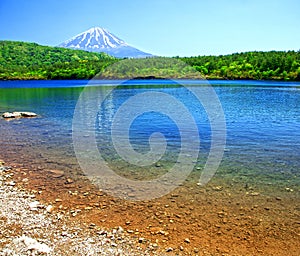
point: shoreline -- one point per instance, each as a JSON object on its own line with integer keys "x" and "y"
{"x": 215, "y": 220}
{"x": 142, "y": 78}
{"x": 29, "y": 227}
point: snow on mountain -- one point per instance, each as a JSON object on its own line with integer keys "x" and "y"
{"x": 98, "y": 39}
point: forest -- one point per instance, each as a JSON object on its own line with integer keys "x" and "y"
{"x": 272, "y": 65}
{"x": 21, "y": 60}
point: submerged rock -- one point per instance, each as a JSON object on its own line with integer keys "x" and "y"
{"x": 18, "y": 114}
{"x": 56, "y": 173}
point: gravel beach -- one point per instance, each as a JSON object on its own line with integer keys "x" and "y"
{"x": 31, "y": 228}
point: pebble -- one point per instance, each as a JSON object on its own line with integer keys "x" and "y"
{"x": 162, "y": 232}
{"x": 11, "y": 183}
{"x": 49, "y": 208}
{"x": 102, "y": 233}
{"x": 64, "y": 234}
{"x": 34, "y": 245}
{"x": 141, "y": 240}
{"x": 34, "y": 205}
{"x": 187, "y": 240}
{"x": 254, "y": 194}
{"x": 218, "y": 188}
{"x": 69, "y": 181}
{"x": 169, "y": 249}
{"x": 222, "y": 214}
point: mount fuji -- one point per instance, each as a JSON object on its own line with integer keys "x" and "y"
{"x": 98, "y": 39}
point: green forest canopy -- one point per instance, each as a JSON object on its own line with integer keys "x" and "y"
{"x": 272, "y": 65}
{"x": 21, "y": 60}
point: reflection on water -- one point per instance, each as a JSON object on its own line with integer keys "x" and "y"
{"x": 263, "y": 130}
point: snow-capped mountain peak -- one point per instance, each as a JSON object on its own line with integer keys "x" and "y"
{"x": 98, "y": 39}
{"x": 94, "y": 38}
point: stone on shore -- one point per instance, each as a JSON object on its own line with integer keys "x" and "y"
{"x": 33, "y": 245}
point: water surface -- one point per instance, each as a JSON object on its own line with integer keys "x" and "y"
{"x": 262, "y": 120}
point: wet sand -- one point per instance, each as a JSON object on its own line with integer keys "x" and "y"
{"x": 225, "y": 217}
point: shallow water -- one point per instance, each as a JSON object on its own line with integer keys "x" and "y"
{"x": 262, "y": 128}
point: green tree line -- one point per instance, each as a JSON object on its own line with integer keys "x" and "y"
{"x": 158, "y": 67}
{"x": 21, "y": 60}
{"x": 272, "y": 65}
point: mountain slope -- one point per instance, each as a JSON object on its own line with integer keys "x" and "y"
{"x": 25, "y": 54}
{"x": 21, "y": 60}
{"x": 98, "y": 39}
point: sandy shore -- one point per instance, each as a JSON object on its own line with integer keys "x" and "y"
{"x": 65, "y": 216}
{"x": 29, "y": 227}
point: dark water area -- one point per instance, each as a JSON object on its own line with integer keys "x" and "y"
{"x": 262, "y": 127}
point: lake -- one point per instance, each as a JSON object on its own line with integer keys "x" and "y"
{"x": 262, "y": 128}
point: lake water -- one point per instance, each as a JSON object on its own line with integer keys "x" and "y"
{"x": 262, "y": 127}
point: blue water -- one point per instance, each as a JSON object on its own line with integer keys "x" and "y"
{"x": 80, "y": 83}
{"x": 262, "y": 124}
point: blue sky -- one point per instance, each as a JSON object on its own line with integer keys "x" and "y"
{"x": 162, "y": 27}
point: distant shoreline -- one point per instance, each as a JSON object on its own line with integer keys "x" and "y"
{"x": 27, "y": 61}
{"x": 154, "y": 78}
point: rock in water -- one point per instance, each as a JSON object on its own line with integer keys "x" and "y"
{"x": 11, "y": 115}
{"x": 18, "y": 114}
{"x": 28, "y": 114}
{"x": 56, "y": 173}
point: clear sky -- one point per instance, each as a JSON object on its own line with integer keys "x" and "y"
{"x": 162, "y": 27}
